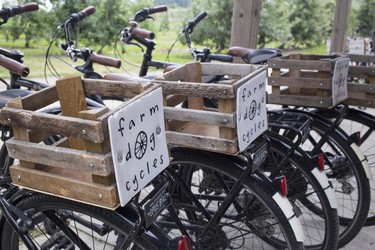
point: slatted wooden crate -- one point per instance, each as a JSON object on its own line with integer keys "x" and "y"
{"x": 79, "y": 166}
{"x": 200, "y": 126}
{"x": 304, "y": 80}
{"x": 361, "y": 81}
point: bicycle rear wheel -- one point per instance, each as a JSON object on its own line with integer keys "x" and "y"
{"x": 306, "y": 193}
{"x": 347, "y": 175}
{"x": 64, "y": 224}
{"x": 364, "y": 123}
{"x": 254, "y": 220}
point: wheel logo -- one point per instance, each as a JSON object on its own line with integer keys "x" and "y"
{"x": 140, "y": 145}
{"x": 253, "y": 109}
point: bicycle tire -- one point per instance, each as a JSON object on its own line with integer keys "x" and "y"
{"x": 363, "y": 122}
{"x": 359, "y": 121}
{"x": 265, "y": 223}
{"x": 108, "y": 224}
{"x": 348, "y": 175}
{"x": 318, "y": 217}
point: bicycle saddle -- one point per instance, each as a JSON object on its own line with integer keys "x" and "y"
{"x": 254, "y": 56}
{"x": 9, "y": 94}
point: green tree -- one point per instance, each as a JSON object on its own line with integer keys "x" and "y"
{"x": 311, "y": 21}
{"x": 28, "y": 25}
{"x": 274, "y": 26}
{"x": 364, "y": 16}
{"x": 213, "y": 31}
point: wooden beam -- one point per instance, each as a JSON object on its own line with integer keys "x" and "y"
{"x": 245, "y": 23}
{"x": 340, "y": 26}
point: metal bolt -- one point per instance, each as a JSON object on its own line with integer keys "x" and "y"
{"x": 323, "y": 65}
{"x": 91, "y": 166}
{"x": 321, "y": 84}
{"x": 84, "y": 131}
{"x": 13, "y": 150}
{"x": 321, "y": 102}
{"x": 158, "y": 130}
{"x": 273, "y": 81}
{"x": 225, "y": 121}
{"x": 100, "y": 196}
{"x": 225, "y": 145}
{"x": 120, "y": 157}
{"x": 225, "y": 92}
{"x": 9, "y": 120}
{"x": 18, "y": 177}
{"x": 273, "y": 64}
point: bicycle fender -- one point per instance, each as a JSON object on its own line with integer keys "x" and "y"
{"x": 362, "y": 159}
{"x": 328, "y": 190}
{"x": 293, "y": 220}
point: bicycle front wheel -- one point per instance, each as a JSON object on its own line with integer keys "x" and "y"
{"x": 64, "y": 224}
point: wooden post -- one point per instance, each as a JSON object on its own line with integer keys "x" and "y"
{"x": 245, "y": 23}
{"x": 340, "y": 25}
{"x": 72, "y": 101}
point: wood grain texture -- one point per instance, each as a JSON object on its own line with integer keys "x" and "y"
{"x": 67, "y": 185}
{"x": 77, "y": 160}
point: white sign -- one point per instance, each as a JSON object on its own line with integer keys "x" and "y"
{"x": 251, "y": 110}
{"x": 357, "y": 46}
{"x": 139, "y": 147}
{"x": 339, "y": 81}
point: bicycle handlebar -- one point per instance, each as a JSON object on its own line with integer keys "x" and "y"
{"x": 143, "y": 14}
{"x": 76, "y": 17}
{"x": 157, "y": 9}
{"x": 142, "y": 33}
{"x": 220, "y": 57}
{"x": 105, "y": 60}
{"x": 192, "y": 23}
{"x": 6, "y": 13}
{"x": 14, "y": 66}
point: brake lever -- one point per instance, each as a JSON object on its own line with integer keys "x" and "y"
{"x": 136, "y": 44}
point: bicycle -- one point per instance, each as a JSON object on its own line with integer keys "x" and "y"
{"x": 45, "y": 204}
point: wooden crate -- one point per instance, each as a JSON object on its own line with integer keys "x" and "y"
{"x": 200, "y": 126}
{"x": 361, "y": 81}
{"x": 79, "y": 166}
{"x": 304, "y": 80}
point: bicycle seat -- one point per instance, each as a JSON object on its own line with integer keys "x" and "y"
{"x": 9, "y": 94}
{"x": 122, "y": 77}
{"x": 254, "y": 56}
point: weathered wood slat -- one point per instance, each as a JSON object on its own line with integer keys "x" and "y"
{"x": 21, "y": 133}
{"x": 67, "y": 187}
{"x": 231, "y": 69}
{"x": 361, "y": 71}
{"x": 201, "y": 117}
{"x": 202, "y": 142}
{"x": 193, "y": 89}
{"x": 114, "y": 89}
{"x": 72, "y": 101}
{"x": 298, "y": 64}
{"x": 355, "y": 87}
{"x": 306, "y": 101}
{"x": 78, "y": 160}
{"x": 300, "y": 82}
{"x": 40, "y": 99}
{"x": 361, "y": 58}
{"x": 61, "y": 125}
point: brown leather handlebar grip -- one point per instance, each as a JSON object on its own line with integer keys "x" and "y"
{"x": 157, "y": 9}
{"x": 14, "y": 66}
{"x": 105, "y": 60}
{"x": 88, "y": 11}
{"x": 142, "y": 33}
{"x": 28, "y": 7}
